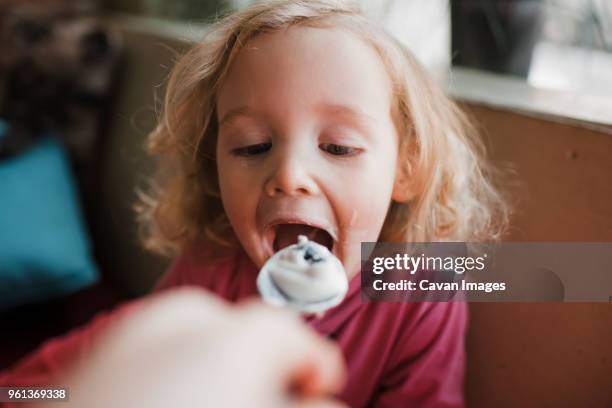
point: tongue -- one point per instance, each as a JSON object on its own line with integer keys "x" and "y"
{"x": 287, "y": 234}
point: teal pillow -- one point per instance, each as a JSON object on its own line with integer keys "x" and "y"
{"x": 44, "y": 249}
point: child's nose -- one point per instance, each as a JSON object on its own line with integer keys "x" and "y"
{"x": 290, "y": 176}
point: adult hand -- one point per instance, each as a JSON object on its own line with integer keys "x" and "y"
{"x": 188, "y": 349}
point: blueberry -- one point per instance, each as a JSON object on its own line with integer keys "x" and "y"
{"x": 311, "y": 255}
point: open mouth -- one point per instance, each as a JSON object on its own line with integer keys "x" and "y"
{"x": 287, "y": 234}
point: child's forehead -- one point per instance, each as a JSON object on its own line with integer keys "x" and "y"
{"x": 305, "y": 39}
{"x": 306, "y": 62}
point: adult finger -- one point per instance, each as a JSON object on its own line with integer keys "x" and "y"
{"x": 297, "y": 357}
{"x": 318, "y": 403}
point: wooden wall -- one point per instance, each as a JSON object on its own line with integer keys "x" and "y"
{"x": 546, "y": 354}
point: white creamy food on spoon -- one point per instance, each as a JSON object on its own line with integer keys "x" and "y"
{"x": 304, "y": 276}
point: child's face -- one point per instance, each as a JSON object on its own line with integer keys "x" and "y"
{"x": 306, "y": 139}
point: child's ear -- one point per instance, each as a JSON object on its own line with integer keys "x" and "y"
{"x": 404, "y": 186}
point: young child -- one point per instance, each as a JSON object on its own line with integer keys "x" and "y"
{"x": 302, "y": 117}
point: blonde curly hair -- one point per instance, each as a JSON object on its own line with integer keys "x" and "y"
{"x": 454, "y": 196}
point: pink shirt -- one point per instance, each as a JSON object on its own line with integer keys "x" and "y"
{"x": 397, "y": 354}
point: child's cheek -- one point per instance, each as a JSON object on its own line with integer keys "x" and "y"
{"x": 234, "y": 192}
{"x": 366, "y": 200}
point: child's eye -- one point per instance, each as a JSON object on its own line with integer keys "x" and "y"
{"x": 252, "y": 150}
{"x": 338, "y": 150}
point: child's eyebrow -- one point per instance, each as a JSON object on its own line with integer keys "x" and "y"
{"x": 351, "y": 113}
{"x": 347, "y": 112}
{"x": 234, "y": 113}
